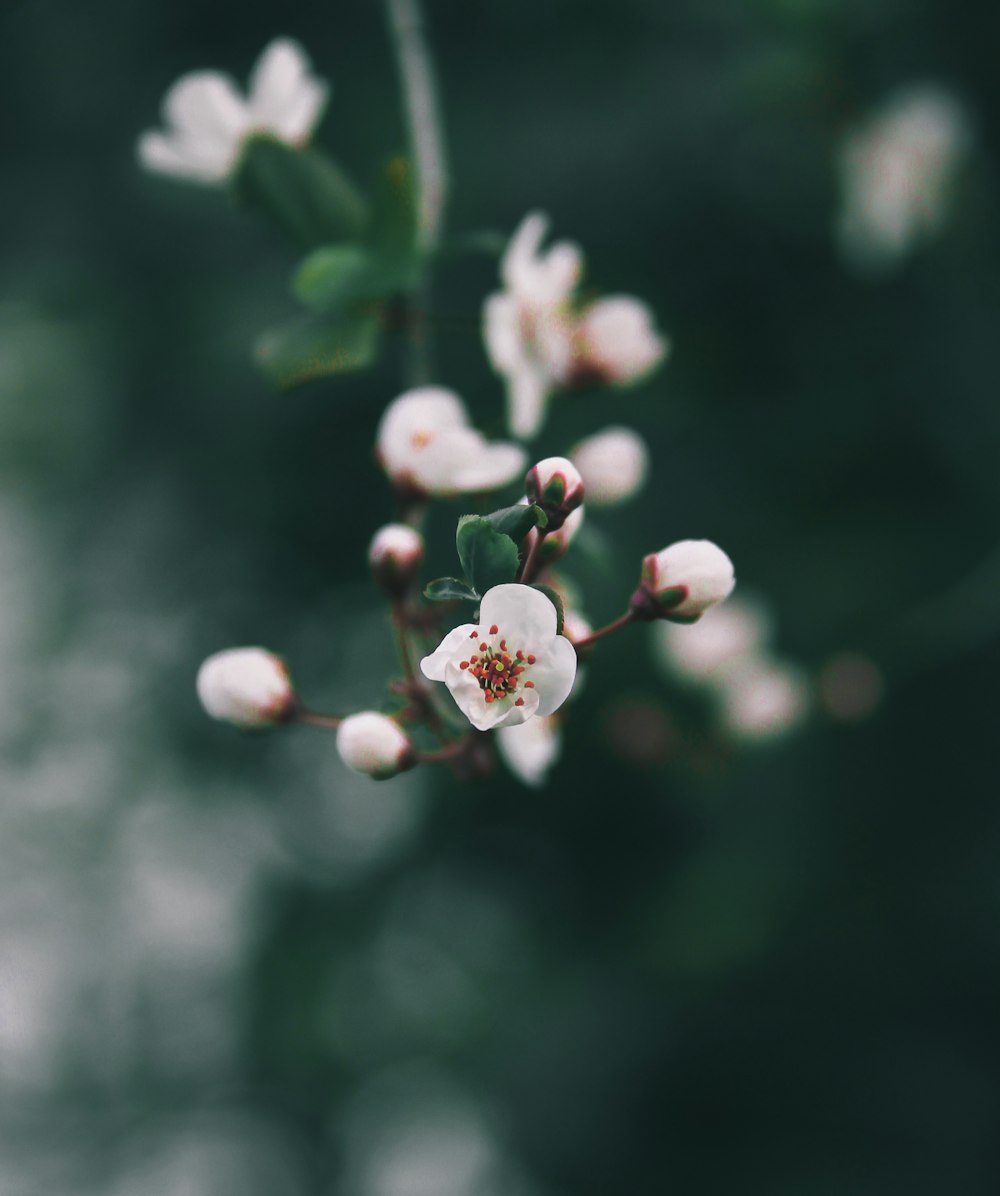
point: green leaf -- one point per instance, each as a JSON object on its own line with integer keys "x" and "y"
{"x": 557, "y": 602}
{"x": 301, "y": 190}
{"x": 309, "y": 347}
{"x": 488, "y": 557}
{"x": 449, "y": 589}
{"x": 518, "y": 520}
{"x": 334, "y": 277}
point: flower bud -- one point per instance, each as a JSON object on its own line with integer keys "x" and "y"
{"x": 249, "y": 687}
{"x": 613, "y": 464}
{"x": 555, "y": 545}
{"x": 394, "y": 555}
{"x": 556, "y": 486}
{"x": 373, "y": 744}
{"x": 681, "y": 582}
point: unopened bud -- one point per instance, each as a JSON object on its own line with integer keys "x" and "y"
{"x": 373, "y": 744}
{"x": 249, "y": 687}
{"x": 555, "y": 545}
{"x": 556, "y": 486}
{"x": 613, "y": 464}
{"x": 394, "y": 555}
{"x": 682, "y": 581}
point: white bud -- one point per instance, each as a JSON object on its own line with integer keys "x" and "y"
{"x": 556, "y": 486}
{"x": 682, "y": 581}
{"x": 246, "y": 686}
{"x": 394, "y": 555}
{"x": 616, "y": 341}
{"x": 613, "y": 464}
{"x": 373, "y": 744}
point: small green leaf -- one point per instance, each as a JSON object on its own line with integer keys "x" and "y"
{"x": 310, "y": 347}
{"x": 671, "y": 597}
{"x": 334, "y": 277}
{"x": 518, "y": 520}
{"x": 449, "y": 589}
{"x": 488, "y": 557}
{"x": 301, "y": 190}
{"x": 557, "y": 602}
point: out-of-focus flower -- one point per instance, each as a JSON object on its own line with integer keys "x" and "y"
{"x": 613, "y": 463}
{"x": 530, "y": 749}
{"x": 249, "y": 687}
{"x": 851, "y": 686}
{"x": 763, "y": 699}
{"x": 576, "y": 626}
{"x": 896, "y": 174}
{"x": 371, "y": 743}
{"x": 726, "y": 635}
{"x": 425, "y": 444}
{"x": 207, "y": 120}
{"x": 556, "y": 486}
{"x": 509, "y": 666}
{"x": 682, "y": 581}
{"x": 394, "y": 555}
{"x": 528, "y": 326}
{"x": 615, "y": 340}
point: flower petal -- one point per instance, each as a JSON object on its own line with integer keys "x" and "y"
{"x": 168, "y": 155}
{"x": 518, "y": 262}
{"x": 206, "y": 107}
{"x": 433, "y": 666}
{"x": 492, "y": 466}
{"x": 527, "y": 399}
{"x": 553, "y": 674}
{"x": 527, "y": 618}
{"x": 502, "y": 332}
{"x": 283, "y": 96}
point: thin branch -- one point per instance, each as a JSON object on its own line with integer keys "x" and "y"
{"x": 618, "y": 623}
{"x": 423, "y": 117}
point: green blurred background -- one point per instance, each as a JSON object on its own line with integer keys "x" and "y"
{"x": 227, "y": 966}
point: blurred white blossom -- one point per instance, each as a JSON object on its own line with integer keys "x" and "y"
{"x": 530, "y": 750}
{"x": 763, "y": 699}
{"x": 615, "y": 340}
{"x": 207, "y": 120}
{"x": 613, "y": 462}
{"x": 425, "y": 444}
{"x": 897, "y": 171}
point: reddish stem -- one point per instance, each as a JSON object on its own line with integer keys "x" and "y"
{"x": 531, "y": 557}
{"x": 626, "y": 618}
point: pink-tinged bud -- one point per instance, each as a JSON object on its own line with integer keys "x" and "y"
{"x": 613, "y": 463}
{"x": 395, "y": 555}
{"x": 373, "y": 744}
{"x": 556, "y": 486}
{"x": 681, "y": 582}
{"x": 248, "y": 687}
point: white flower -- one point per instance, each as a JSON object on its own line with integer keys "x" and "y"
{"x": 246, "y": 686}
{"x": 896, "y": 175}
{"x": 528, "y": 326}
{"x": 727, "y": 635}
{"x": 615, "y": 340}
{"x": 395, "y": 554}
{"x": 613, "y": 463}
{"x": 530, "y": 749}
{"x": 510, "y": 665}
{"x": 207, "y": 120}
{"x": 682, "y": 581}
{"x": 425, "y": 444}
{"x": 373, "y": 744}
{"x": 763, "y": 699}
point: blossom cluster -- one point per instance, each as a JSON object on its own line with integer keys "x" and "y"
{"x": 495, "y": 648}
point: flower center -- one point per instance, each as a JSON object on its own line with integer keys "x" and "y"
{"x": 498, "y": 668}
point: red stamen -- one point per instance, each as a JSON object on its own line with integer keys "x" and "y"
{"x": 531, "y": 659}
{"x": 474, "y": 634}
{"x": 520, "y": 654}
{"x": 494, "y": 629}
{"x": 482, "y": 647}
{"x": 463, "y": 664}
{"x": 489, "y": 695}
{"x": 529, "y": 685}
{"x": 519, "y": 702}
{"x": 503, "y": 645}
